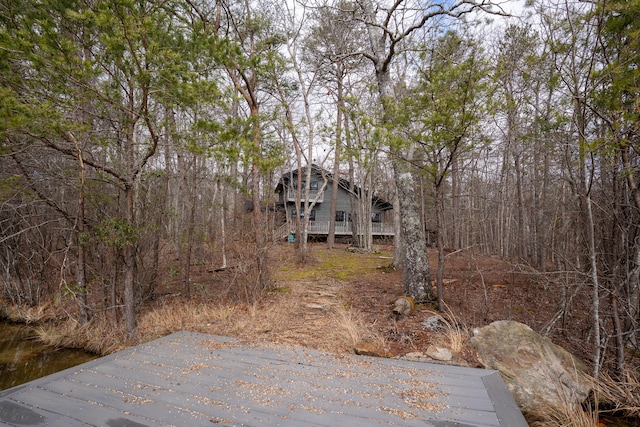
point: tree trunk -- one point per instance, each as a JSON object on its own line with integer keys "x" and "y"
{"x": 397, "y": 231}
{"x": 129, "y": 252}
{"x": 164, "y": 204}
{"x": 306, "y": 212}
{"x": 258, "y": 221}
{"x": 619, "y": 338}
{"x": 632, "y": 322}
{"x": 521, "y": 240}
{"x": 219, "y": 190}
{"x": 336, "y": 172}
{"x": 367, "y": 214}
{"x": 440, "y": 244}
{"x": 596, "y": 286}
{"x": 190, "y": 229}
{"x": 353, "y": 205}
{"x": 129, "y": 249}
{"x": 81, "y": 275}
{"x": 456, "y": 238}
{"x": 416, "y": 274}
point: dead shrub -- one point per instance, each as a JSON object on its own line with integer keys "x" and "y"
{"x": 184, "y": 315}
{"x": 244, "y": 280}
{"x": 565, "y": 412}
{"x": 609, "y": 396}
{"x": 101, "y": 335}
{"x": 617, "y": 396}
{"x": 351, "y": 328}
{"x": 566, "y": 415}
{"x": 453, "y": 332}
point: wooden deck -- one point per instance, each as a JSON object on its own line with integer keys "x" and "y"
{"x": 345, "y": 228}
{"x": 190, "y": 379}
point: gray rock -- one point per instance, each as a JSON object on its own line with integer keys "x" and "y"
{"x": 431, "y": 323}
{"x": 416, "y": 356}
{"x": 439, "y": 353}
{"x": 539, "y": 374}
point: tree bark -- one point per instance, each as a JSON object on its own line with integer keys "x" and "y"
{"x": 190, "y": 229}
{"x": 129, "y": 253}
{"x": 416, "y": 273}
{"x": 440, "y": 243}
{"x": 129, "y": 249}
{"x": 331, "y": 238}
{"x": 456, "y": 237}
{"x": 258, "y": 221}
{"x": 633, "y": 287}
{"x": 81, "y": 275}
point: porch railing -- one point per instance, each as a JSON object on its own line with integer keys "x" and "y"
{"x": 345, "y": 228}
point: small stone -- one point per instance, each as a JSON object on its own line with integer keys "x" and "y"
{"x": 431, "y": 323}
{"x": 369, "y": 349}
{"x": 417, "y": 356}
{"x": 439, "y": 353}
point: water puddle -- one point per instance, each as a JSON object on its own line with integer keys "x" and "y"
{"x": 22, "y": 359}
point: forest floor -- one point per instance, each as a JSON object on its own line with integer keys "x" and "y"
{"x": 478, "y": 290}
{"x": 339, "y": 298}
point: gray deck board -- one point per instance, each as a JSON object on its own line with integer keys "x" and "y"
{"x": 191, "y": 379}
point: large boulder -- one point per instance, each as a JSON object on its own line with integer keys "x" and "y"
{"x": 539, "y": 374}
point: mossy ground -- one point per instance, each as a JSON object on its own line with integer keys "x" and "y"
{"x": 337, "y": 264}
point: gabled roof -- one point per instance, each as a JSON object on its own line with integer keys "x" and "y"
{"x": 342, "y": 183}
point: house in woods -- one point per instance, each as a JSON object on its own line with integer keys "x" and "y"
{"x": 381, "y": 211}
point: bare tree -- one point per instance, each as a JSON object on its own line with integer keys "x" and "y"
{"x": 330, "y": 37}
{"x": 389, "y": 29}
{"x": 250, "y": 29}
{"x": 452, "y": 82}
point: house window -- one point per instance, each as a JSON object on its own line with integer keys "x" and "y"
{"x": 312, "y": 214}
{"x": 375, "y": 217}
{"x": 313, "y": 185}
{"x": 341, "y": 216}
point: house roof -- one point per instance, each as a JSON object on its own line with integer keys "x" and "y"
{"x": 342, "y": 183}
{"x": 199, "y": 380}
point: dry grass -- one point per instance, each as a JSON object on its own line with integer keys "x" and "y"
{"x": 30, "y": 315}
{"x": 185, "y": 315}
{"x": 307, "y": 316}
{"x": 101, "y": 335}
{"x": 567, "y": 415}
{"x": 337, "y": 300}
{"x": 566, "y": 411}
{"x": 619, "y": 396}
{"x": 454, "y": 333}
{"x": 314, "y": 311}
{"x": 351, "y": 328}
{"x": 609, "y": 396}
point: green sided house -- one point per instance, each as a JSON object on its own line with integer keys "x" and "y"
{"x": 381, "y": 211}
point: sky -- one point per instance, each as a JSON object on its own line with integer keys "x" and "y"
{"x": 514, "y": 7}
